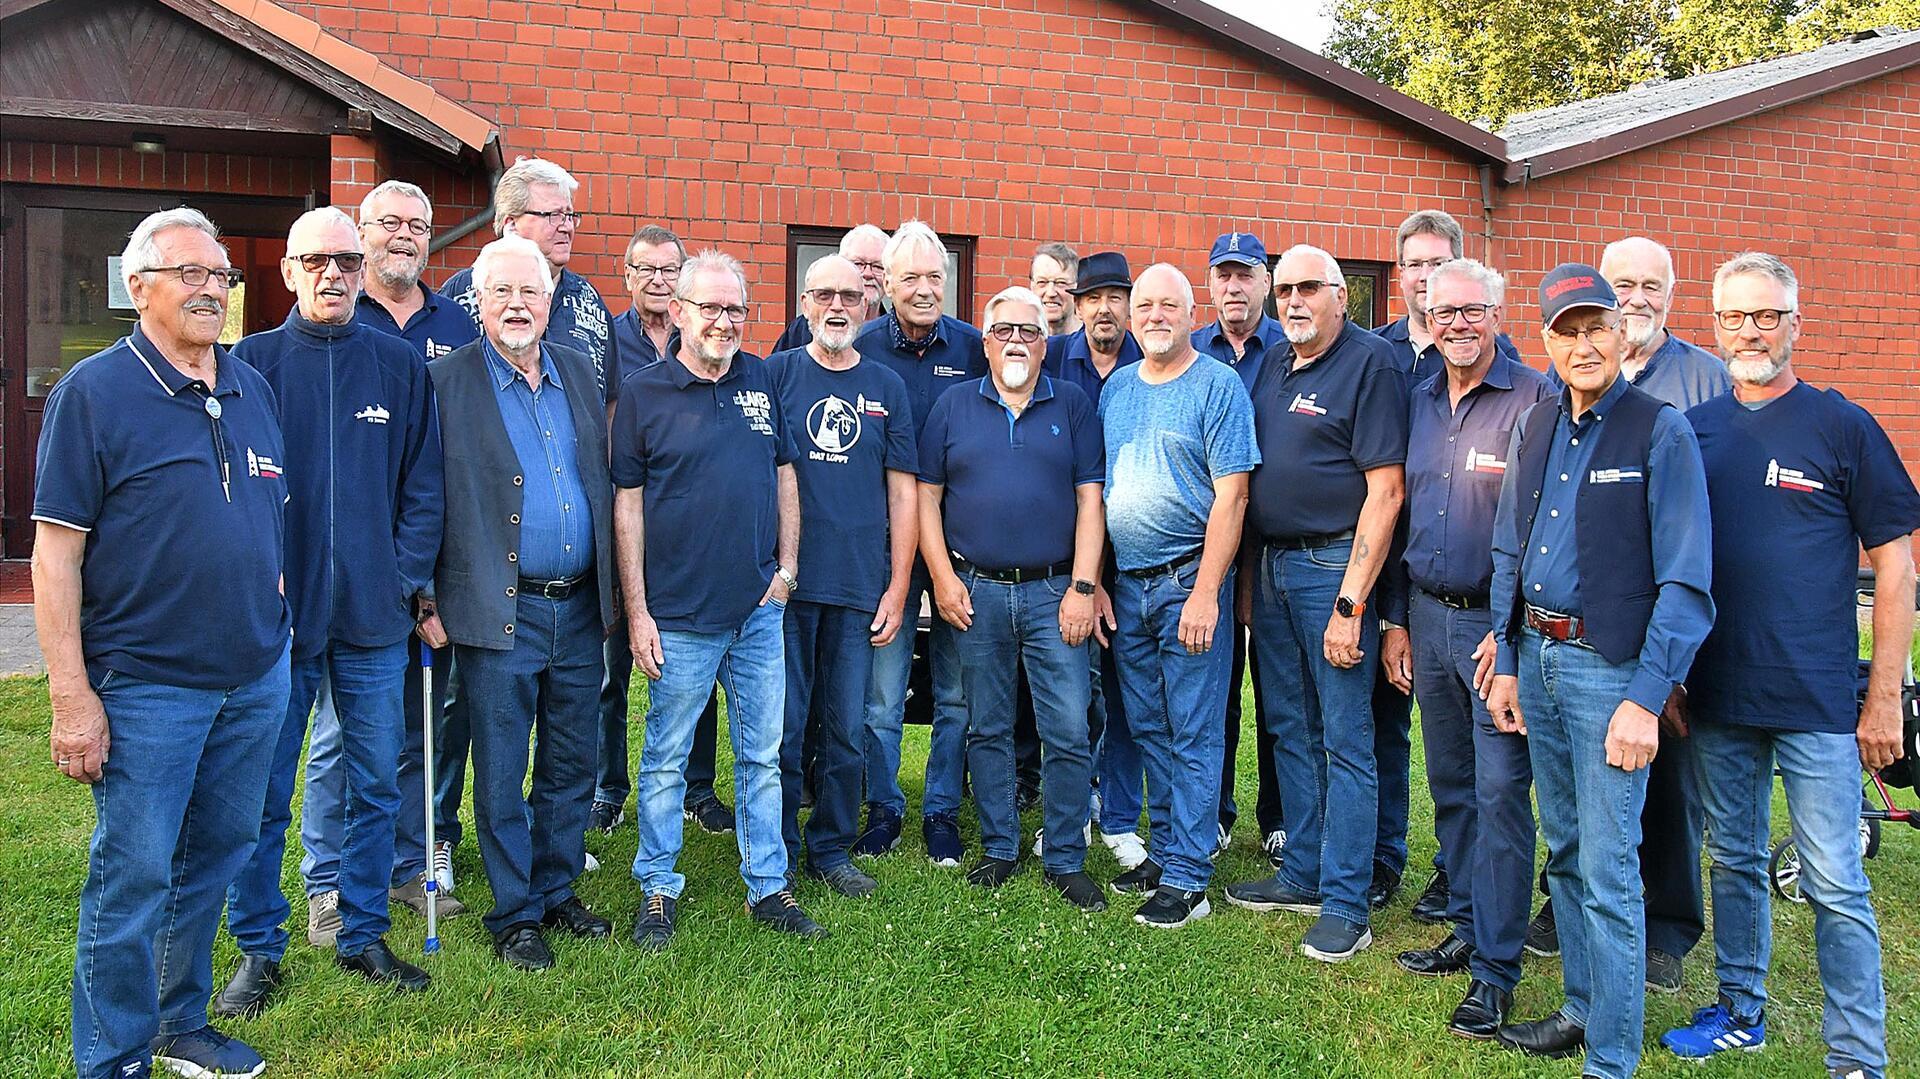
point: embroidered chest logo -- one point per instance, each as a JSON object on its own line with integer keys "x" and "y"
{"x": 1306, "y": 403}
{"x": 941, "y": 370}
{"x": 1484, "y": 462}
{"x": 373, "y": 414}
{"x": 757, "y": 408}
{"x": 435, "y": 349}
{"x": 834, "y": 426}
{"x": 1791, "y": 479}
{"x": 1616, "y": 475}
{"x": 261, "y": 465}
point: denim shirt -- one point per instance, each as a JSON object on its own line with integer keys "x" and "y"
{"x": 556, "y": 523}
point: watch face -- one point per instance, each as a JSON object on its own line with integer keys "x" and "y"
{"x": 1344, "y": 606}
{"x": 1085, "y": 588}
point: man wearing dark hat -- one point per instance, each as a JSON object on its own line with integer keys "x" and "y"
{"x": 1601, "y": 564}
{"x": 1087, "y": 357}
{"x": 1238, "y": 282}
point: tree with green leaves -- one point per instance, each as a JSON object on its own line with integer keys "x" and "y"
{"x": 1489, "y": 60}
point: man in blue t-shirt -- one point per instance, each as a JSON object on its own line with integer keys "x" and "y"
{"x": 707, "y": 520}
{"x": 162, "y": 444}
{"x": 856, "y": 468}
{"x": 1800, "y": 481}
{"x": 1180, "y": 443}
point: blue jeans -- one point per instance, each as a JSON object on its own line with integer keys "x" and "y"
{"x": 611, "y": 784}
{"x": 829, "y": 660}
{"x": 323, "y": 798}
{"x": 367, "y": 684}
{"x": 1322, "y": 721}
{"x": 1590, "y": 816}
{"x": 750, "y": 663}
{"x": 1481, "y": 781}
{"x": 176, "y": 808}
{"x": 453, "y": 740}
{"x": 1015, "y": 624}
{"x": 547, "y": 685}
{"x": 1670, "y": 841}
{"x": 1393, "y": 761}
{"x": 1116, "y": 757}
{"x": 1821, "y": 773}
{"x": 886, "y": 713}
{"x": 1174, "y": 703}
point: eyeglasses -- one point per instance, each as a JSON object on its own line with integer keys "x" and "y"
{"x": 526, "y": 294}
{"x": 193, "y": 276}
{"x": 848, "y": 297}
{"x": 869, "y": 265}
{"x": 736, "y": 313}
{"x": 568, "y": 217}
{"x": 665, "y": 273}
{"x": 392, "y": 223}
{"x": 1061, "y": 283}
{"x": 1471, "y": 313}
{"x": 1307, "y": 289}
{"x": 316, "y": 262}
{"x": 1767, "y": 318}
{"x": 1593, "y": 334}
{"x": 1026, "y": 332}
{"x": 1423, "y": 264}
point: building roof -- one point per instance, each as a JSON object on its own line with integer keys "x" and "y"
{"x": 1552, "y": 140}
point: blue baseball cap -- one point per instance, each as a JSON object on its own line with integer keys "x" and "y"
{"x": 1242, "y": 247}
{"x": 1574, "y": 284}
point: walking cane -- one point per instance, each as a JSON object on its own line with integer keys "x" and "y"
{"x": 426, "y": 752}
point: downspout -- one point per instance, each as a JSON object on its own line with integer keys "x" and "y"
{"x": 1487, "y": 208}
{"x": 496, "y": 165}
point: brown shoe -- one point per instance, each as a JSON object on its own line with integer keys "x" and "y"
{"x": 413, "y": 894}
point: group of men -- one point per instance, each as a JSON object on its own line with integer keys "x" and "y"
{"x": 1113, "y": 514}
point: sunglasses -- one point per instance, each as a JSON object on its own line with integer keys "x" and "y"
{"x": 348, "y": 261}
{"x": 1307, "y": 289}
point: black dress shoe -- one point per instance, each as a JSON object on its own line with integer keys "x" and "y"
{"x": 379, "y": 965}
{"x": 1385, "y": 885}
{"x": 1554, "y": 1036}
{"x": 523, "y": 948}
{"x": 251, "y": 987}
{"x": 1481, "y": 1011}
{"x": 1448, "y": 957}
{"x": 1431, "y": 907}
{"x": 574, "y": 917}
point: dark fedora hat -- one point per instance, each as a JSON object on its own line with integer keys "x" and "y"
{"x": 1103, "y": 269}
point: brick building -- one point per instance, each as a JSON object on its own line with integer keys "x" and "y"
{"x": 767, "y": 127}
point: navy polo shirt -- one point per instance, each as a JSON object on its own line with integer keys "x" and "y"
{"x": 1796, "y": 488}
{"x": 1681, "y": 374}
{"x": 1009, "y": 500}
{"x": 439, "y": 327}
{"x": 1212, "y": 341}
{"x": 1423, "y": 364}
{"x": 951, "y": 355}
{"x": 634, "y": 347}
{"x": 1456, "y": 458}
{"x": 576, "y": 317}
{"x": 1320, "y": 429}
{"x": 1070, "y": 359}
{"x": 851, "y": 427}
{"x": 179, "y": 584}
{"x": 705, "y": 454}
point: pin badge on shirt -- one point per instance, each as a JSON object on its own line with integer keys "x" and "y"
{"x": 213, "y": 408}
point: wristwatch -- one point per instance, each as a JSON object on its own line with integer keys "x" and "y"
{"x": 1085, "y": 588}
{"x": 1347, "y": 607}
{"x": 786, "y": 578}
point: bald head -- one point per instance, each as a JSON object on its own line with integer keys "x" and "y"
{"x": 1162, "y": 309}
{"x": 317, "y": 246}
{"x": 834, "y": 301}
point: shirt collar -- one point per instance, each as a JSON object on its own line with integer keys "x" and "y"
{"x": 1400, "y": 331}
{"x": 1499, "y": 375}
{"x": 505, "y": 373}
{"x": 1671, "y": 346}
{"x": 683, "y": 376}
{"x": 171, "y": 378}
{"x": 905, "y": 344}
{"x": 1601, "y": 407}
{"x": 1258, "y": 342}
{"x": 429, "y": 303}
{"x": 1042, "y": 391}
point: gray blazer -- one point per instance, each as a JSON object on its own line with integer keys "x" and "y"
{"x": 475, "y": 586}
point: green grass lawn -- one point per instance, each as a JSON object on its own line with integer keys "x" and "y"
{"x": 930, "y": 978}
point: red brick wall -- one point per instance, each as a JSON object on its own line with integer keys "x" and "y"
{"x": 1826, "y": 184}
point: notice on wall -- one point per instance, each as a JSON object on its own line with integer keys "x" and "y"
{"x": 118, "y": 298}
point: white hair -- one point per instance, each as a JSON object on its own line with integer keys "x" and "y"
{"x": 863, "y": 232}
{"x": 709, "y": 261}
{"x": 1494, "y": 285}
{"x": 394, "y": 187}
{"x": 1624, "y": 246}
{"x": 507, "y": 246}
{"x": 142, "y": 252}
{"x": 514, "y": 191}
{"x": 1016, "y": 294}
{"x": 1186, "y": 286}
{"x": 912, "y": 235}
{"x": 1334, "y": 276}
{"x": 1759, "y": 264}
{"x": 323, "y": 215}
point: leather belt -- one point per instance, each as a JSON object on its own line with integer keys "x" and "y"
{"x": 1308, "y": 543}
{"x": 560, "y": 589}
{"x": 1459, "y": 601}
{"x": 1556, "y": 626}
{"x": 1164, "y": 567}
{"x": 1017, "y": 575}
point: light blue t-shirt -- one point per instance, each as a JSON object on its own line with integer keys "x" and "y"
{"x": 1166, "y": 445}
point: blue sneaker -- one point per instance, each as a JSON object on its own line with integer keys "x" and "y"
{"x": 1714, "y": 1030}
{"x": 942, "y": 833}
{"x": 882, "y": 834}
{"x": 207, "y": 1054}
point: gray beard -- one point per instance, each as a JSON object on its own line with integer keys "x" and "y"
{"x": 1756, "y": 372}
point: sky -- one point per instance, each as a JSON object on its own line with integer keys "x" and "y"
{"x": 1300, "y": 21}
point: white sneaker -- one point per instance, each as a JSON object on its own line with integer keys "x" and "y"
{"x": 1274, "y": 843}
{"x": 1127, "y": 848}
{"x": 592, "y": 863}
{"x": 1225, "y": 841}
{"x": 443, "y": 867}
{"x": 1040, "y": 838}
